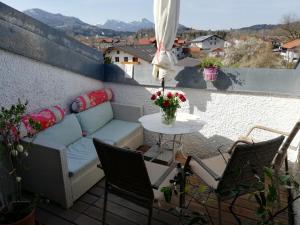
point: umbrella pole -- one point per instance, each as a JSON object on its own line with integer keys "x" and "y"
{"x": 163, "y": 85}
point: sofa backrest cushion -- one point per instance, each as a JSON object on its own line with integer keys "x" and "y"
{"x": 64, "y": 133}
{"x": 95, "y": 118}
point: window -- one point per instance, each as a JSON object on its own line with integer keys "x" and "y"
{"x": 215, "y": 42}
{"x": 125, "y": 59}
{"x": 118, "y": 52}
{"x": 210, "y": 43}
{"x": 117, "y": 59}
{"x": 135, "y": 59}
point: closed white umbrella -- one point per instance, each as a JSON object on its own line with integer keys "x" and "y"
{"x": 166, "y": 17}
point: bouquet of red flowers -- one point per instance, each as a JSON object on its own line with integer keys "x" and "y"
{"x": 169, "y": 104}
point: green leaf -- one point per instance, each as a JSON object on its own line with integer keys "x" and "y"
{"x": 272, "y": 194}
{"x": 186, "y": 188}
{"x": 269, "y": 172}
{"x": 202, "y": 188}
{"x": 167, "y": 193}
{"x": 284, "y": 179}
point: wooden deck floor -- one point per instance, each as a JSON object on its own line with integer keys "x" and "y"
{"x": 88, "y": 211}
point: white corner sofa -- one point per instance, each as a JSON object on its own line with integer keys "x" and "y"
{"x": 62, "y": 163}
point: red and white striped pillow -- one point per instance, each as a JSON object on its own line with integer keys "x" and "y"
{"x": 91, "y": 99}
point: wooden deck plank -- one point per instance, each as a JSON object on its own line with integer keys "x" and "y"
{"x": 88, "y": 210}
{"x": 86, "y": 220}
{"x": 46, "y": 218}
{"x": 68, "y": 215}
{"x": 111, "y": 218}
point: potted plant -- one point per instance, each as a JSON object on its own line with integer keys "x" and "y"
{"x": 14, "y": 209}
{"x": 169, "y": 104}
{"x": 210, "y": 67}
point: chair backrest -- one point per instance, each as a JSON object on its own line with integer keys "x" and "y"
{"x": 283, "y": 150}
{"x": 124, "y": 170}
{"x": 246, "y": 161}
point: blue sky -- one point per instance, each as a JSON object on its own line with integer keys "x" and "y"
{"x": 201, "y": 14}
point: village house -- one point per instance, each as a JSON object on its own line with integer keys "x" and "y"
{"x": 138, "y": 54}
{"x": 208, "y": 42}
{"x": 217, "y": 52}
{"x": 291, "y": 51}
{"x": 177, "y": 49}
{"x": 130, "y": 57}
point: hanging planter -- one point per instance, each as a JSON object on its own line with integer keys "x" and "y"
{"x": 210, "y": 67}
{"x": 210, "y": 74}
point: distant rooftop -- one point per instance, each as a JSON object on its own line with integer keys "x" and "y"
{"x": 292, "y": 44}
{"x": 145, "y": 52}
{"x": 188, "y": 62}
{"x": 203, "y": 38}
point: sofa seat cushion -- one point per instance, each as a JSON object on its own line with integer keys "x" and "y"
{"x": 116, "y": 131}
{"x": 81, "y": 155}
{"x": 64, "y": 133}
{"x": 95, "y": 117}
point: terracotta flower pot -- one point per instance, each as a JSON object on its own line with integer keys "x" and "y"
{"x": 27, "y": 220}
{"x": 210, "y": 74}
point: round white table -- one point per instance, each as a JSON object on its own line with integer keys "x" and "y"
{"x": 185, "y": 124}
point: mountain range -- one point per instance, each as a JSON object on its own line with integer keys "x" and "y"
{"x": 71, "y": 25}
{"x": 111, "y": 28}
{"x": 131, "y": 26}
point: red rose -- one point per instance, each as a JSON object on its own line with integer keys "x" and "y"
{"x": 153, "y": 97}
{"x": 166, "y": 103}
{"x": 158, "y": 93}
{"x": 181, "y": 97}
{"x": 176, "y": 94}
{"x": 170, "y": 95}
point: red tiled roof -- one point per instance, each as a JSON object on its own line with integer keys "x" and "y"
{"x": 218, "y": 50}
{"x": 144, "y": 41}
{"x": 153, "y": 39}
{"x": 292, "y": 44}
{"x": 148, "y": 41}
{"x": 192, "y": 50}
{"x": 104, "y": 40}
{"x": 181, "y": 41}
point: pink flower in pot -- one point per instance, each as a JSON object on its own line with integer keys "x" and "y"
{"x": 211, "y": 66}
{"x": 210, "y": 74}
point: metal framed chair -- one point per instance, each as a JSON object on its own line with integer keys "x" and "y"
{"x": 282, "y": 156}
{"x": 130, "y": 177}
{"x": 223, "y": 173}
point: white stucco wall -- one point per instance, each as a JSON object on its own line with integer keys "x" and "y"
{"x": 228, "y": 116}
{"x": 43, "y": 85}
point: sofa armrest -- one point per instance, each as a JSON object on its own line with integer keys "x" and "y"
{"x": 47, "y": 172}
{"x": 127, "y": 112}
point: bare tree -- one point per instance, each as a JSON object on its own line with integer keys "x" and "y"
{"x": 291, "y": 26}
